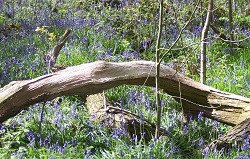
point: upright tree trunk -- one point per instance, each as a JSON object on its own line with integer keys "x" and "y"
{"x": 202, "y": 21}
{"x": 203, "y": 41}
{"x": 157, "y": 75}
{"x": 230, "y": 23}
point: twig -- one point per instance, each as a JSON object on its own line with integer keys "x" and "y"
{"x": 41, "y": 118}
{"x": 200, "y": 105}
{"x": 216, "y": 31}
{"x": 148, "y": 75}
{"x": 137, "y": 116}
{"x": 182, "y": 48}
{"x": 179, "y": 36}
{"x": 229, "y": 41}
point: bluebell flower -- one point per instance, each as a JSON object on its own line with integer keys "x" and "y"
{"x": 200, "y": 115}
{"x": 47, "y": 140}
{"x": 185, "y": 129}
{"x": 126, "y": 54}
{"x": 1, "y": 126}
{"x": 216, "y": 124}
{"x": 201, "y": 142}
{"x": 108, "y": 143}
{"x": 31, "y": 137}
{"x": 205, "y": 152}
{"x": 134, "y": 138}
{"x": 87, "y": 154}
{"x": 152, "y": 144}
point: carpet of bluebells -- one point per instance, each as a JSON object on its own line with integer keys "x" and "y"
{"x": 114, "y": 30}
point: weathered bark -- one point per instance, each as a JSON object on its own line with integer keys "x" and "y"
{"x": 237, "y": 134}
{"x": 95, "y": 77}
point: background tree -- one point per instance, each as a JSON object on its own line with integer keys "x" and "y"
{"x": 203, "y": 41}
{"x": 157, "y": 77}
{"x": 230, "y": 27}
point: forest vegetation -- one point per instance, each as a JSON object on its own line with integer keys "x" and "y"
{"x": 121, "y": 31}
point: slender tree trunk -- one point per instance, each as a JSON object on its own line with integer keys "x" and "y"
{"x": 157, "y": 77}
{"x": 203, "y": 41}
{"x": 230, "y": 23}
{"x": 234, "y": 5}
{"x": 202, "y": 21}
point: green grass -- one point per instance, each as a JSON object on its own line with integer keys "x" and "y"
{"x": 111, "y": 34}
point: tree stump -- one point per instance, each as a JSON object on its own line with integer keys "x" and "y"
{"x": 103, "y": 112}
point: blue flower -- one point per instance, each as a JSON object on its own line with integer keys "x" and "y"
{"x": 200, "y": 115}
{"x": 87, "y": 154}
{"x": 201, "y": 142}
{"x": 205, "y": 152}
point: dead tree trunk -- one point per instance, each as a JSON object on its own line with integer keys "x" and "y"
{"x": 95, "y": 77}
{"x": 237, "y": 134}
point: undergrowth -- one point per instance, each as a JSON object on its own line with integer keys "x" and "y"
{"x": 124, "y": 31}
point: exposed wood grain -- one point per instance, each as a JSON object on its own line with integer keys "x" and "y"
{"x": 238, "y": 134}
{"x": 95, "y": 77}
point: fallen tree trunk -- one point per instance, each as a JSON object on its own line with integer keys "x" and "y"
{"x": 95, "y": 77}
{"x": 238, "y": 134}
